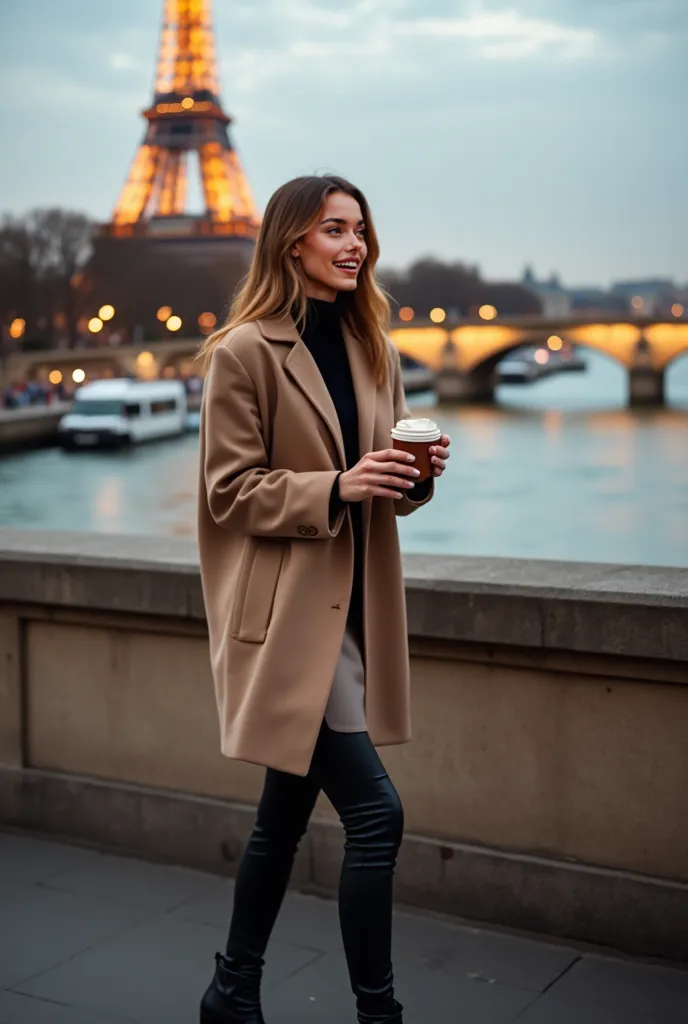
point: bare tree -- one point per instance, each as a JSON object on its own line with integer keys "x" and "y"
{"x": 430, "y": 282}
{"x": 41, "y": 255}
{"x": 63, "y": 239}
{"x": 20, "y": 272}
{"x": 512, "y": 298}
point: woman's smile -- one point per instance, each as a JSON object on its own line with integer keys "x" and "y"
{"x": 347, "y": 266}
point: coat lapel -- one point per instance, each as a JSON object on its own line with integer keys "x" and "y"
{"x": 303, "y": 370}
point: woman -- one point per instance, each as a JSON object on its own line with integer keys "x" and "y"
{"x": 302, "y": 574}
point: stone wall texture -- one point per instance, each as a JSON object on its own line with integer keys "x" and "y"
{"x": 546, "y": 785}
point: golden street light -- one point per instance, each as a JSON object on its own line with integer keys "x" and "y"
{"x": 174, "y": 323}
{"x": 437, "y": 315}
{"x": 106, "y": 312}
{"x": 406, "y": 313}
{"x": 206, "y": 322}
{"x": 164, "y": 313}
{"x": 55, "y": 376}
{"x": 95, "y": 324}
{"x": 17, "y": 327}
{"x": 677, "y": 309}
{"x": 554, "y": 343}
{"x": 487, "y": 312}
{"x": 78, "y": 376}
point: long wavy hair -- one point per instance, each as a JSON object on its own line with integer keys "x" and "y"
{"x": 275, "y": 284}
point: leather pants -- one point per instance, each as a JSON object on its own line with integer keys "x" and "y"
{"x": 347, "y": 768}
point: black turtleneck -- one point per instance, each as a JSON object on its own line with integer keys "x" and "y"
{"x": 322, "y": 334}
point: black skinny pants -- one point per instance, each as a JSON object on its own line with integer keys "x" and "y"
{"x": 347, "y": 768}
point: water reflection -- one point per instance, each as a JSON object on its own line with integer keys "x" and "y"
{"x": 107, "y": 505}
{"x": 560, "y": 470}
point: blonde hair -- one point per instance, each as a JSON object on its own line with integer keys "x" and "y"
{"x": 275, "y": 285}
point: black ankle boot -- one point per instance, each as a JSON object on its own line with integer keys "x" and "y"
{"x": 392, "y": 1016}
{"x": 233, "y": 996}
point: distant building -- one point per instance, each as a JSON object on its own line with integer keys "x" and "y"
{"x": 594, "y": 301}
{"x": 646, "y": 297}
{"x": 555, "y": 299}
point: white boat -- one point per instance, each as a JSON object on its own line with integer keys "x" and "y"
{"x": 112, "y": 413}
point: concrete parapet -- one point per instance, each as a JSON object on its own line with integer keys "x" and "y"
{"x": 545, "y": 787}
{"x": 30, "y": 427}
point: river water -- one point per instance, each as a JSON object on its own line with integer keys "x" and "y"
{"x": 560, "y": 469}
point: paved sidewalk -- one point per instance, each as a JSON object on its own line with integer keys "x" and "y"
{"x": 90, "y": 938}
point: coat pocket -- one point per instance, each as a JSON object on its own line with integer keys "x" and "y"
{"x": 256, "y": 586}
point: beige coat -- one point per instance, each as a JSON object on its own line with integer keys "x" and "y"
{"x": 276, "y": 572}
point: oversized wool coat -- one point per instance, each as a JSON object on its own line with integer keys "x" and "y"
{"x": 276, "y": 572}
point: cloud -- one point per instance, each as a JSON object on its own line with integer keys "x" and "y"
{"x": 375, "y": 43}
{"x": 367, "y": 27}
{"x": 506, "y": 35}
{"x": 123, "y": 62}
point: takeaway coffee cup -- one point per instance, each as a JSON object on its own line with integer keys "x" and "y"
{"x": 416, "y": 436}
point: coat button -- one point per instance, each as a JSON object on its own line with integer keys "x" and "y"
{"x": 312, "y": 531}
{"x": 303, "y": 530}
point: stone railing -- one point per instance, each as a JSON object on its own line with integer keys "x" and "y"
{"x": 30, "y": 427}
{"x": 546, "y": 787}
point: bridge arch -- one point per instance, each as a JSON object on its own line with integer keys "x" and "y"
{"x": 493, "y": 360}
{"x": 669, "y": 341}
{"x": 94, "y": 362}
{"x": 479, "y": 344}
{"x": 616, "y": 341}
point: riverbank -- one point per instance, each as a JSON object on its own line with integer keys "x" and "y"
{"x": 36, "y": 426}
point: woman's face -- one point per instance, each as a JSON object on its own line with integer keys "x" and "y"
{"x": 332, "y": 252}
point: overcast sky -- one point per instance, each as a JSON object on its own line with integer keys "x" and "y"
{"x": 499, "y": 132}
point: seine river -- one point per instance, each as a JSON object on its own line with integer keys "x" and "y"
{"x": 559, "y": 469}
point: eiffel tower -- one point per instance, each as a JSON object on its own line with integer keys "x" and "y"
{"x": 186, "y": 124}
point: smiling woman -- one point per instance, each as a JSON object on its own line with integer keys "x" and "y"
{"x": 311, "y": 224}
{"x": 299, "y": 491}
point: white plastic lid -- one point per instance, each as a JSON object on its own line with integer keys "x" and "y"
{"x": 416, "y": 430}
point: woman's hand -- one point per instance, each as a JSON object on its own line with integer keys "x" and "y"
{"x": 439, "y": 453}
{"x": 377, "y": 475}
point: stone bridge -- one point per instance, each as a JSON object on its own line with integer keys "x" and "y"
{"x": 463, "y": 354}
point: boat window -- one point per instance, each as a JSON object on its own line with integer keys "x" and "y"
{"x": 164, "y": 405}
{"x": 97, "y": 407}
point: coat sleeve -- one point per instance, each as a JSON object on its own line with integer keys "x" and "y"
{"x": 243, "y": 493}
{"x": 406, "y": 505}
